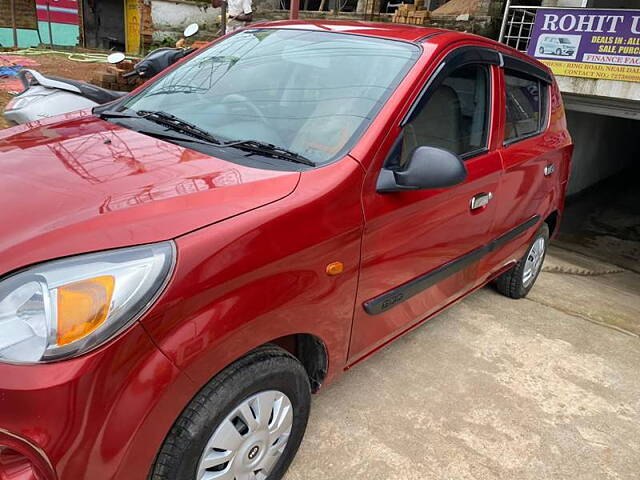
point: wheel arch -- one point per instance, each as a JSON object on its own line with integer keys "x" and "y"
{"x": 309, "y": 349}
{"x": 552, "y": 221}
{"x": 311, "y": 352}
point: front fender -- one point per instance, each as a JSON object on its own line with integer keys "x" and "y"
{"x": 262, "y": 275}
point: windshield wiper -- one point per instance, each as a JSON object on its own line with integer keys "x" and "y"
{"x": 116, "y": 114}
{"x": 269, "y": 149}
{"x": 106, "y": 114}
{"x": 171, "y": 121}
{"x": 174, "y": 138}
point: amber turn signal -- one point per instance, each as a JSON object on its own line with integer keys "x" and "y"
{"x": 335, "y": 268}
{"x": 82, "y": 307}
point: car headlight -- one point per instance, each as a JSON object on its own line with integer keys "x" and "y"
{"x": 21, "y": 102}
{"x": 67, "y": 307}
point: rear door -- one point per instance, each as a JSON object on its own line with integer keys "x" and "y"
{"x": 530, "y": 158}
{"x": 419, "y": 249}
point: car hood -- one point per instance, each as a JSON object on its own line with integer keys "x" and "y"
{"x": 84, "y": 184}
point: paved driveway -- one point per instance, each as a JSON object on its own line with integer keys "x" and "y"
{"x": 546, "y": 387}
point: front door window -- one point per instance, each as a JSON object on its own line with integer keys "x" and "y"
{"x": 455, "y": 117}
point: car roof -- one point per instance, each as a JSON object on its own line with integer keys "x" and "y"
{"x": 393, "y": 31}
{"x": 396, "y": 31}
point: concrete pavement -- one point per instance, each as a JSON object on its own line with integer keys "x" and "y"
{"x": 493, "y": 388}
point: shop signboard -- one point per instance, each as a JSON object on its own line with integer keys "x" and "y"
{"x": 588, "y": 43}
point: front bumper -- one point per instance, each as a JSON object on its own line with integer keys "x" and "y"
{"x": 20, "y": 460}
{"x": 89, "y": 417}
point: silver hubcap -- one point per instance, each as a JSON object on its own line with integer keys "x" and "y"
{"x": 249, "y": 442}
{"x": 533, "y": 262}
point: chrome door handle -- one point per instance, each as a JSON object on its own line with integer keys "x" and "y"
{"x": 481, "y": 200}
{"x": 549, "y": 169}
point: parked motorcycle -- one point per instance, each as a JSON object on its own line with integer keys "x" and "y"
{"x": 45, "y": 96}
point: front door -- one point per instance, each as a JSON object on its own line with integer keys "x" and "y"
{"x": 418, "y": 246}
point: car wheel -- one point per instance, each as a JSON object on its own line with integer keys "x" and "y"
{"x": 541, "y": 49}
{"x": 246, "y": 423}
{"x": 558, "y": 52}
{"x": 518, "y": 281}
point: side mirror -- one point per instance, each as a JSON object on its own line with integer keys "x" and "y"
{"x": 115, "y": 57}
{"x": 428, "y": 167}
{"x": 191, "y": 30}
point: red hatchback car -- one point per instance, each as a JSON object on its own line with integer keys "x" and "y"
{"x": 181, "y": 269}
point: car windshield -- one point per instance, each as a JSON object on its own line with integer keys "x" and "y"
{"x": 311, "y": 93}
{"x": 565, "y": 41}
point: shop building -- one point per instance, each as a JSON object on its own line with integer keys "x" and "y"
{"x": 597, "y": 66}
{"x": 593, "y": 48}
{"x": 102, "y": 24}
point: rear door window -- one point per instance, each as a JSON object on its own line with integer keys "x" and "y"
{"x": 526, "y": 98}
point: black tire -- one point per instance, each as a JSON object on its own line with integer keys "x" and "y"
{"x": 511, "y": 283}
{"x": 267, "y": 368}
{"x": 558, "y": 52}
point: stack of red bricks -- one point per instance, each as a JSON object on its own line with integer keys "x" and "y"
{"x": 111, "y": 77}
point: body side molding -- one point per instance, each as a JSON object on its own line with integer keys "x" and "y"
{"x": 404, "y": 292}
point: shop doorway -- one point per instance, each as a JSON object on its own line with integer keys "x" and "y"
{"x": 104, "y": 24}
{"x": 602, "y": 214}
